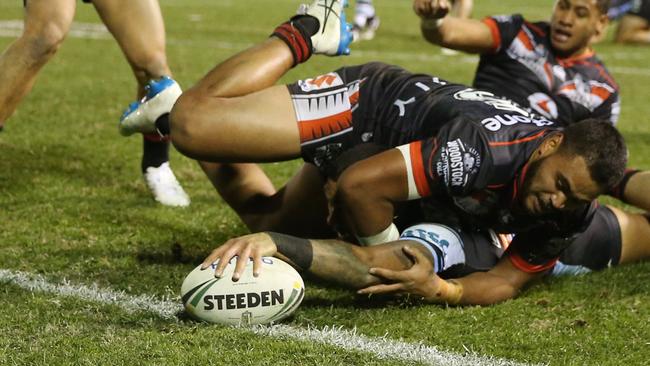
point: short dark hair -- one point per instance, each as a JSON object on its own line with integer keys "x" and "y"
{"x": 602, "y": 147}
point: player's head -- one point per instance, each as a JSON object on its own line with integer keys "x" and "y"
{"x": 574, "y": 167}
{"x": 575, "y": 23}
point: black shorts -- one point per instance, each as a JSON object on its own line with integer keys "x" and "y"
{"x": 599, "y": 246}
{"x": 341, "y": 109}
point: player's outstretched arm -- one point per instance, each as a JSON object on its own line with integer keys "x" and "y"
{"x": 467, "y": 35}
{"x": 333, "y": 261}
{"x": 501, "y": 283}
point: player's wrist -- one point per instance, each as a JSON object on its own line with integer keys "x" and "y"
{"x": 449, "y": 292}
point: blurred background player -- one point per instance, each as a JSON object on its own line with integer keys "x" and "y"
{"x": 139, "y": 30}
{"x": 366, "y": 21}
{"x": 634, "y": 21}
{"x": 549, "y": 67}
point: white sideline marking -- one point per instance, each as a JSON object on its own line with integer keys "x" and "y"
{"x": 382, "y": 348}
{"x": 14, "y": 28}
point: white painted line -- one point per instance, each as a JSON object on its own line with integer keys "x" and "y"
{"x": 129, "y": 303}
{"x": 14, "y": 28}
{"x": 382, "y": 348}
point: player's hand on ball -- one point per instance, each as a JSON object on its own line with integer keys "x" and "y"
{"x": 419, "y": 280}
{"x": 254, "y": 246}
{"x": 431, "y": 9}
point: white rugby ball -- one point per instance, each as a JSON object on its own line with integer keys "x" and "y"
{"x": 270, "y": 297}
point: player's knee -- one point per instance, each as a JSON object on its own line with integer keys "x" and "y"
{"x": 44, "y": 41}
{"x": 182, "y": 130}
{"x": 195, "y": 129}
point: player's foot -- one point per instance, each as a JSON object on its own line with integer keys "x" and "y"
{"x": 164, "y": 186}
{"x": 141, "y": 115}
{"x": 364, "y": 30}
{"x": 334, "y": 35}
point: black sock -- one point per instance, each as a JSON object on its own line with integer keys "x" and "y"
{"x": 308, "y": 23}
{"x": 297, "y": 33}
{"x": 154, "y": 153}
{"x": 162, "y": 124}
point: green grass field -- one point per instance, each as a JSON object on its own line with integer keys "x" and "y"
{"x": 73, "y": 206}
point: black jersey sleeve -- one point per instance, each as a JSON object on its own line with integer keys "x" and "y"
{"x": 504, "y": 29}
{"x": 455, "y": 162}
{"x": 609, "y": 109}
{"x": 591, "y": 93}
{"x": 538, "y": 249}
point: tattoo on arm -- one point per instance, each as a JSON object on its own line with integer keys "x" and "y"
{"x": 297, "y": 250}
{"x": 330, "y": 260}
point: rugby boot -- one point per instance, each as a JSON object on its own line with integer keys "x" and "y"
{"x": 159, "y": 99}
{"x": 164, "y": 186}
{"x": 334, "y": 35}
{"x": 365, "y": 30}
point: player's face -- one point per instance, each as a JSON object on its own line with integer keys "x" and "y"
{"x": 574, "y": 24}
{"x": 557, "y": 182}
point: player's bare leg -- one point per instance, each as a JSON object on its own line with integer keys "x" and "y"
{"x": 212, "y": 121}
{"x": 234, "y": 114}
{"x": 139, "y": 30}
{"x": 633, "y": 29}
{"x": 635, "y": 236}
{"x": 46, "y": 24}
{"x": 299, "y": 208}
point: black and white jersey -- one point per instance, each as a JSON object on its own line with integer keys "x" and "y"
{"x": 523, "y": 67}
{"x": 466, "y": 150}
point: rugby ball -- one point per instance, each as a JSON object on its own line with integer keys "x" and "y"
{"x": 270, "y": 297}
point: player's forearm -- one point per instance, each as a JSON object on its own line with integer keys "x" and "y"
{"x": 637, "y": 191}
{"x": 475, "y": 289}
{"x": 333, "y": 261}
{"x": 364, "y": 212}
{"x": 483, "y": 288}
{"x": 366, "y": 193}
{"x": 467, "y": 35}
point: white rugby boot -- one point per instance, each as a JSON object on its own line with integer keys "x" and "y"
{"x": 141, "y": 115}
{"x": 334, "y": 35}
{"x": 365, "y": 31}
{"x": 164, "y": 186}
{"x": 365, "y": 22}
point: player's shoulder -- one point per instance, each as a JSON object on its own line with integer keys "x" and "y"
{"x": 507, "y": 18}
{"x": 592, "y": 68}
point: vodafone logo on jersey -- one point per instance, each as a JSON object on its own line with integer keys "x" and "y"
{"x": 543, "y": 104}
